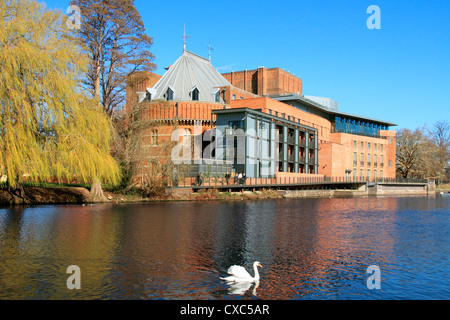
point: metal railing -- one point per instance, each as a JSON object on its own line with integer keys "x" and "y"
{"x": 223, "y": 182}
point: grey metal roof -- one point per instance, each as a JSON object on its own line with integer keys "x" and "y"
{"x": 188, "y": 72}
{"x": 314, "y": 104}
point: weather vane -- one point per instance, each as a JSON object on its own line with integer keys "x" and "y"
{"x": 210, "y": 49}
{"x": 185, "y": 36}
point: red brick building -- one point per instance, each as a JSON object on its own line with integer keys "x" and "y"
{"x": 318, "y": 140}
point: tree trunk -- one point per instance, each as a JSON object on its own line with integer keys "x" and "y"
{"x": 96, "y": 190}
{"x": 17, "y": 191}
{"x": 97, "y": 79}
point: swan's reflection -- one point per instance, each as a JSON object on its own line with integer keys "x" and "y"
{"x": 242, "y": 287}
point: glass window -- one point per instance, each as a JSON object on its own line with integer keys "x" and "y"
{"x": 251, "y": 125}
{"x": 237, "y": 124}
{"x": 154, "y": 137}
{"x": 251, "y": 147}
{"x": 355, "y": 127}
{"x": 169, "y": 94}
{"x": 218, "y": 96}
{"x": 195, "y": 94}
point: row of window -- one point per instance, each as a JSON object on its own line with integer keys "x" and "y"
{"x": 368, "y": 159}
{"x": 368, "y": 176}
{"x": 194, "y": 94}
{"x": 362, "y": 144}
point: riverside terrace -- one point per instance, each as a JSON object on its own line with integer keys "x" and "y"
{"x": 373, "y": 186}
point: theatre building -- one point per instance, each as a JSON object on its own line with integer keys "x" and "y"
{"x": 265, "y": 126}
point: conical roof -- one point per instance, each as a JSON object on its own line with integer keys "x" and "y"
{"x": 190, "y": 71}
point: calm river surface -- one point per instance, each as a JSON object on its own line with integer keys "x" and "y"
{"x": 310, "y": 249}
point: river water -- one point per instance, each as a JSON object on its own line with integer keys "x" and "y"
{"x": 309, "y": 249}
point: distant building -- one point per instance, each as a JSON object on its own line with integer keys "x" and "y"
{"x": 287, "y": 134}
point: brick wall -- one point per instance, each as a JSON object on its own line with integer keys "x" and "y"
{"x": 230, "y": 93}
{"x": 265, "y": 81}
{"x": 283, "y": 110}
{"x": 391, "y": 150}
{"x": 368, "y": 147}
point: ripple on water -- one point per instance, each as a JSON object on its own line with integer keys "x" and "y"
{"x": 310, "y": 249}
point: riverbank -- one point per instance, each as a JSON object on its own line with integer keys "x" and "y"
{"x": 80, "y": 195}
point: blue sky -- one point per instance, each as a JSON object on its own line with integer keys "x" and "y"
{"x": 399, "y": 73}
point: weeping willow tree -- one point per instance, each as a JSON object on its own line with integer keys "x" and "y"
{"x": 48, "y": 129}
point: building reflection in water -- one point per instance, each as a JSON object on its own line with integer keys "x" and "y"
{"x": 321, "y": 243}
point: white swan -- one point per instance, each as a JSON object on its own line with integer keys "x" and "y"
{"x": 239, "y": 273}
